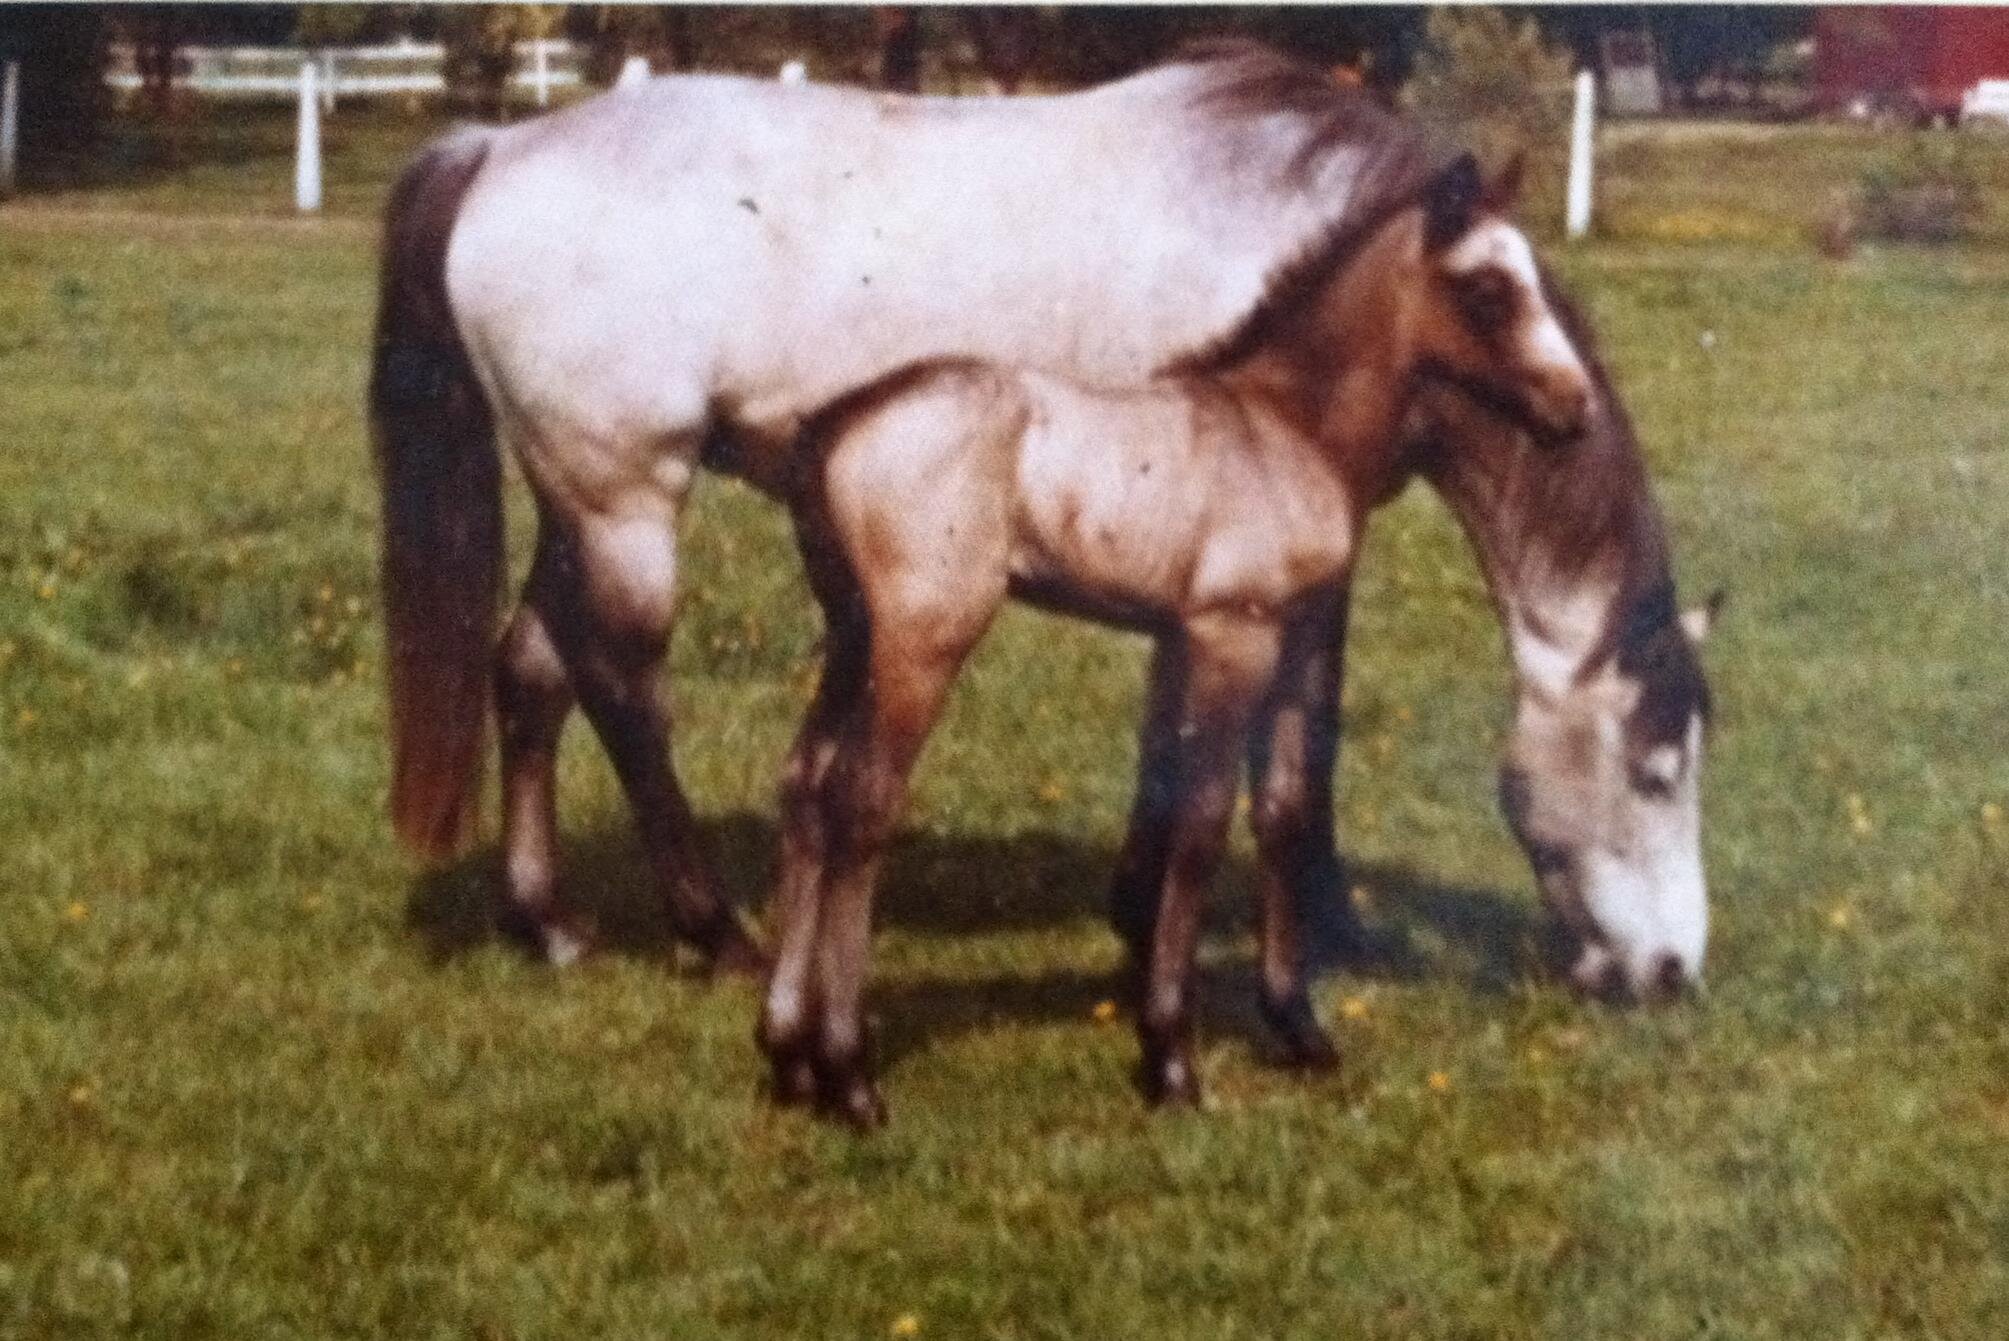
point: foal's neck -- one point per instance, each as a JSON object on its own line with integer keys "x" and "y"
{"x": 1335, "y": 362}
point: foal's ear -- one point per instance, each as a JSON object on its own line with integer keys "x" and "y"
{"x": 1502, "y": 195}
{"x": 1697, "y": 622}
{"x": 1450, "y": 203}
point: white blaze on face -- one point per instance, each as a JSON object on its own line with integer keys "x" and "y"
{"x": 1644, "y": 889}
{"x": 1541, "y": 340}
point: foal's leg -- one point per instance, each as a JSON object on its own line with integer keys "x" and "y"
{"x": 533, "y": 697}
{"x": 1140, "y": 867}
{"x": 1230, "y": 658}
{"x": 912, "y": 665}
{"x": 607, "y": 594}
{"x": 1292, "y": 746}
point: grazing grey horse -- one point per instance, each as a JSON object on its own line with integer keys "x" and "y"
{"x": 703, "y": 263}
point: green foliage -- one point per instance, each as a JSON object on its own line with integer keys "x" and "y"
{"x": 480, "y": 50}
{"x": 1930, "y": 191}
{"x": 1490, "y": 79}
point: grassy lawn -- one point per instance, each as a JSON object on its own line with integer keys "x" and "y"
{"x": 261, "y": 1077}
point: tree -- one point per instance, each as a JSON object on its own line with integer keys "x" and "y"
{"x": 480, "y": 45}
{"x": 899, "y": 30}
{"x": 61, "y": 49}
{"x": 1007, "y": 40}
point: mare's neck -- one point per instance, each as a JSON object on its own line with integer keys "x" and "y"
{"x": 1563, "y": 537}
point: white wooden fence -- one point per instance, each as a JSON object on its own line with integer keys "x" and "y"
{"x": 542, "y": 64}
{"x": 1986, "y": 101}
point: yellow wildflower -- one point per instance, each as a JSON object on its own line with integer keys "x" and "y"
{"x": 1104, "y": 1011}
{"x": 46, "y": 591}
{"x": 905, "y": 1325}
{"x": 76, "y": 912}
{"x": 1353, "y": 1008}
{"x": 1439, "y": 1082}
{"x": 1991, "y": 813}
{"x": 1052, "y": 790}
{"x": 1839, "y": 917}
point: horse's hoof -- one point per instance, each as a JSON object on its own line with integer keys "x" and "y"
{"x": 1311, "y": 1051}
{"x": 794, "y": 1083}
{"x": 566, "y": 942}
{"x": 1170, "y": 1082}
{"x": 857, "y": 1104}
{"x": 1306, "y": 1047}
{"x": 736, "y": 956}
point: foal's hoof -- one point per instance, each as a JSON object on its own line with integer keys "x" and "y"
{"x": 794, "y": 1083}
{"x": 1170, "y": 1081}
{"x": 1306, "y": 1047}
{"x": 856, "y": 1103}
{"x": 566, "y": 942}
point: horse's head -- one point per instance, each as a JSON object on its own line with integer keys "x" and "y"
{"x": 1601, "y": 785}
{"x": 1483, "y": 322}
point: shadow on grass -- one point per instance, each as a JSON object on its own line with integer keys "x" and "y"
{"x": 955, "y": 885}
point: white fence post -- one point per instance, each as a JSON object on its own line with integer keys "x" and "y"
{"x": 540, "y": 67}
{"x": 635, "y": 70}
{"x": 328, "y": 81}
{"x": 794, "y": 72}
{"x": 307, "y": 161}
{"x": 1582, "y": 140}
{"x": 10, "y": 125}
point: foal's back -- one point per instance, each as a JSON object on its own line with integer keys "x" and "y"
{"x": 1172, "y": 496}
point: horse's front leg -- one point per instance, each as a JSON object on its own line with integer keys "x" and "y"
{"x": 1293, "y": 745}
{"x": 1230, "y": 658}
{"x": 1140, "y": 866}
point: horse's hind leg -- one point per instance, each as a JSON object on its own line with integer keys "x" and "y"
{"x": 607, "y": 595}
{"x": 533, "y": 697}
{"x": 1292, "y": 746}
{"x": 788, "y": 1018}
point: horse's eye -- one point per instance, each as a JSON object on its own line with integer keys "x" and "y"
{"x": 1486, "y": 298}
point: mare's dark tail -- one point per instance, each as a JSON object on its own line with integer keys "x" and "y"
{"x": 434, "y": 439}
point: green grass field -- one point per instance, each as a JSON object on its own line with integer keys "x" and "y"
{"x": 261, "y": 1077}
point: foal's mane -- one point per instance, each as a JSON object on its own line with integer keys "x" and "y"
{"x": 1241, "y": 81}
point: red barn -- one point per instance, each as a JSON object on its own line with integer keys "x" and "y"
{"x": 1919, "y": 58}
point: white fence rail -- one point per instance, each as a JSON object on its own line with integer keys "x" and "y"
{"x": 343, "y": 72}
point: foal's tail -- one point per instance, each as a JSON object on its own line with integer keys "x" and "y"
{"x": 434, "y": 439}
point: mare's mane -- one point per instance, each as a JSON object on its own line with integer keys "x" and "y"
{"x": 1242, "y": 82}
{"x": 1586, "y": 509}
